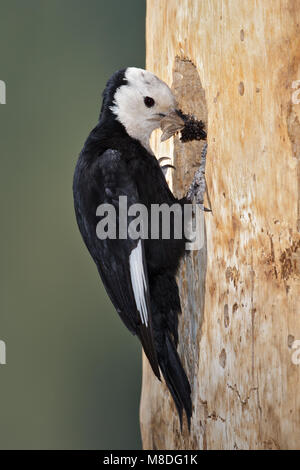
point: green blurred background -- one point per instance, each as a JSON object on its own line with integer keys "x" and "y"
{"x": 73, "y": 373}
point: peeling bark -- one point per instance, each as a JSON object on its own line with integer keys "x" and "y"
{"x": 233, "y": 64}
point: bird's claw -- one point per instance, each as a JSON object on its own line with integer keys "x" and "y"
{"x": 161, "y": 159}
{"x": 163, "y": 167}
{"x": 166, "y": 166}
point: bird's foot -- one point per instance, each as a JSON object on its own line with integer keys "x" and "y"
{"x": 198, "y": 187}
{"x": 166, "y": 166}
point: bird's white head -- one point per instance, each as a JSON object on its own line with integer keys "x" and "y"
{"x": 141, "y": 103}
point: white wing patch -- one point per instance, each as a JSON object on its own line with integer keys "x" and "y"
{"x": 138, "y": 281}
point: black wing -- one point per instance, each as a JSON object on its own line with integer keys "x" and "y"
{"x": 120, "y": 262}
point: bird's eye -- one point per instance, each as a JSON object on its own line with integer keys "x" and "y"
{"x": 149, "y": 102}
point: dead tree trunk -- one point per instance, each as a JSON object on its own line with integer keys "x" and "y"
{"x": 235, "y": 64}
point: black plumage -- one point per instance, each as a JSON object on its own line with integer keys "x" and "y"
{"x": 111, "y": 164}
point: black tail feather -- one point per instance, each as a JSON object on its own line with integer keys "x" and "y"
{"x": 176, "y": 379}
{"x": 145, "y": 335}
{"x": 165, "y": 308}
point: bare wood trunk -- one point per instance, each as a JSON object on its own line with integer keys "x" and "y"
{"x": 233, "y": 64}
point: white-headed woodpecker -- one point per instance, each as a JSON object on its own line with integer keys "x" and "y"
{"x": 138, "y": 274}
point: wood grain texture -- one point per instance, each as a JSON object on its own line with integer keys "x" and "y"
{"x": 232, "y": 63}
